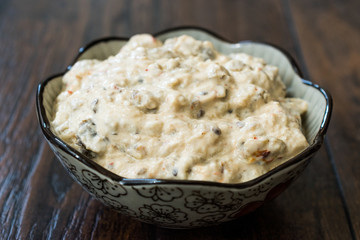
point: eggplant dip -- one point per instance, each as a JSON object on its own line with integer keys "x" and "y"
{"x": 179, "y": 110}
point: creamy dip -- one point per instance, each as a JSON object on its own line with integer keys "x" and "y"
{"x": 179, "y": 110}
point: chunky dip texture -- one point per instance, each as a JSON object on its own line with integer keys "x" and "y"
{"x": 179, "y": 110}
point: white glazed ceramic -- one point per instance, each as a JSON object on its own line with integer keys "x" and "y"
{"x": 183, "y": 203}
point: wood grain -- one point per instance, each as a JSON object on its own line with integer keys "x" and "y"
{"x": 38, "y": 199}
{"x": 329, "y": 36}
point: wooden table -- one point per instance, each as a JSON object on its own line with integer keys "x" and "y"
{"x": 38, "y": 200}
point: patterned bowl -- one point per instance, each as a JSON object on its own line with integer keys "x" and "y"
{"x": 183, "y": 203}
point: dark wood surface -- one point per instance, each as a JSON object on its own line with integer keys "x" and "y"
{"x": 38, "y": 200}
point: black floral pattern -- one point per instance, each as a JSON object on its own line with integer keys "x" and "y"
{"x": 259, "y": 189}
{"x": 211, "y": 202}
{"x": 208, "y": 220}
{"x": 211, "y": 207}
{"x": 91, "y": 190}
{"x": 165, "y": 194}
{"x": 298, "y": 170}
{"x": 103, "y": 185}
{"x": 68, "y": 166}
{"x": 118, "y": 206}
{"x": 246, "y": 208}
{"x": 162, "y": 214}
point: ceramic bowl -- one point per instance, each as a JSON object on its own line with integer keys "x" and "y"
{"x": 183, "y": 203}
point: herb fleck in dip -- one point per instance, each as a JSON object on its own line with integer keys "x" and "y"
{"x": 179, "y": 110}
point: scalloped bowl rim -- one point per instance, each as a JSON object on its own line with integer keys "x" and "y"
{"x": 52, "y": 138}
